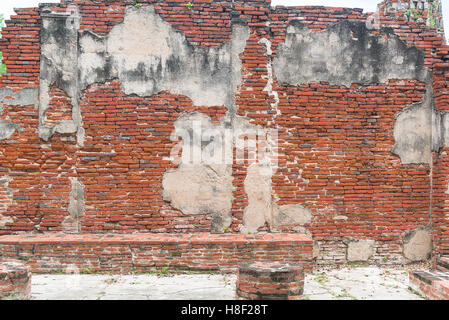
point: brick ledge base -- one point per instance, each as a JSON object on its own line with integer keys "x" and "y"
{"x": 270, "y": 281}
{"x": 126, "y": 253}
{"x": 15, "y": 281}
{"x": 432, "y": 285}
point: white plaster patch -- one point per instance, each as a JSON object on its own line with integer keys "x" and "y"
{"x": 59, "y": 66}
{"x": 413, "y": 131}
{"x": 269, "y": 86}
{"x": 199, "y": 189}
{"x": 257, "y": 187}
{"x": 344, "y": 53}
{"x": 360, "y": 250}
{"x": 76, "y": 209}
{"x": 6, "y": 199}
{"x": 149, "y": 55}
{"x": 418, "y": 245}
{"x": 292, "y": 214}
{"x": 202, "y": 184}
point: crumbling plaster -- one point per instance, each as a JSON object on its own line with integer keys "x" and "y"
{"x": 148, "y": 55}
{"x": 413, "y": 128}
{"x": 8, "y": 96}
{"x": 343, "y": 54}
{"x": 420, "y": 130}
{"x": 59, "y": 66}
{"x": 202, "y": 183}
{"x": 6, "y": 199}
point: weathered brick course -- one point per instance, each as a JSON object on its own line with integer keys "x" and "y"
{"x": 154, "y": 252}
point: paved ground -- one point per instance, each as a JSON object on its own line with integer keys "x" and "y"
{"x": 368, "y": 283}
{"x": 132, "y": 287}
{"x": 360, "y": 283}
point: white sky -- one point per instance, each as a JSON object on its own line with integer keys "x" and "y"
{"x": 6, "y": 6}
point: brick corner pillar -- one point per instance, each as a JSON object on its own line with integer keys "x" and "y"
{"x": 270, "y": 281}
{"x": 15, "y": 281}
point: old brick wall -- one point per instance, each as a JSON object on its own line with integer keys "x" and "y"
{"x": 85, "y": 143}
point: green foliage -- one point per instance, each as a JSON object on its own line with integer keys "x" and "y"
{"x": 164, "y": 271}
{"x": 416, "y": 292}
{"x": 2, "y": 66}
{"x": 413, "y": 13}
{"x": 188, "y": 5}
{"x": 23, "y": 258}
{"x": 434, "y": 12}
{"x": 90, "y": 271}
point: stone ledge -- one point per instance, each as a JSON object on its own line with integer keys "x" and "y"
{"x": 125, "y": 253}
{"x": 154, "y": 238}
{"x": 433, "y": 285}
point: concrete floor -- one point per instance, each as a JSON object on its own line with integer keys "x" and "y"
{"x": 362, "y": 283}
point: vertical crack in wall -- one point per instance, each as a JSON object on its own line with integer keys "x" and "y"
{"x": 239, "y": 37}
{"x": 269, "y": 86}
